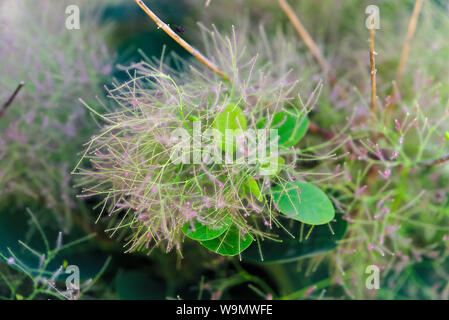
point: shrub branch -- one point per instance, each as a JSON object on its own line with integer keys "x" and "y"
{"x": 181, "y": 41}
{"x": 311, "y": 45}
{"x": 305, "y": 36}
{"x": 372, "y": 54}
{"x": 435, "y": 162}
{"x": 408, "y": 39}
{"x": 11, "y": 99}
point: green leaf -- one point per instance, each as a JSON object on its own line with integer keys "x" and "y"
{"x": 193, "y": 118}
{"x": 250, "y": 186}
{"x": 231, "y": 243}
{"x": 321, "y": 240}
{"x": 292, "y": 125}
{"x": 304, "y": 202}
{"x": 231, "y": 118}
{"x": 267, "y": 165}
{"x": 203, "y": 232}
{"x": 138, "y": 285}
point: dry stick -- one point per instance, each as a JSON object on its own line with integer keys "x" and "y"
{"x": 305, "y": 36}
{"x": 409, "y": 37}
{"x": 434, "y": 162}
{"x": 404, "y": 54}
{"x": 404, "y": 57}
{"x": 372, "y": 53}
{"x": 181, "y": 41}
{"x": 11, "y": 99}
{"x": 371, "y": 176}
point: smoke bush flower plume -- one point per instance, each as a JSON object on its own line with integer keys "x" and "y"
{"x": 130, "y": 158}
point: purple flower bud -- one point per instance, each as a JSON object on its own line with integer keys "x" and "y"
{"x": 386, "y": 174}
{"x": 379, "y": 153}
{"x": 397, "y": 125}
{"x": 360, "y": 190}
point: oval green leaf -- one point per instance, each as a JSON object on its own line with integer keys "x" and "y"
{"x": 231, "y": 243}
{"x": 202, "y": 232}
{"x": 292, "y": 126}
{"x": 231, "y": 118}
{"x": 304, "y": 202}
{"x": 270, "y": 163}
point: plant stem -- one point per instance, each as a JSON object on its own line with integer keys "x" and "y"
{"x": 315, "y": 128}
{"x": 408, "y": 39}
{"x": 300, "y": 294}
{"x": 305, "y": 36}
{"x": 404, "y": 57}
{"x": 181, "y": 41}
{"x": 434, "y": 162}
{"x": 311, "y": 45}
{"x": 373, "y": 70}
{"x": 11, "y": 99}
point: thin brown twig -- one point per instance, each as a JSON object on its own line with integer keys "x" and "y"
{"x": 315, "y": 128}
{"x": 372, "y": 175}
{"x": 404, "y": 57}
{"x": 434, "y": 162}
{"x": 408, "y": 39}
{"x": 305, "y": 36}
{"x": 181, "y": 41}
{"x": 11, "y": 99}
{"x": 372, "y": 54}
{"x": 311, "y": 45}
